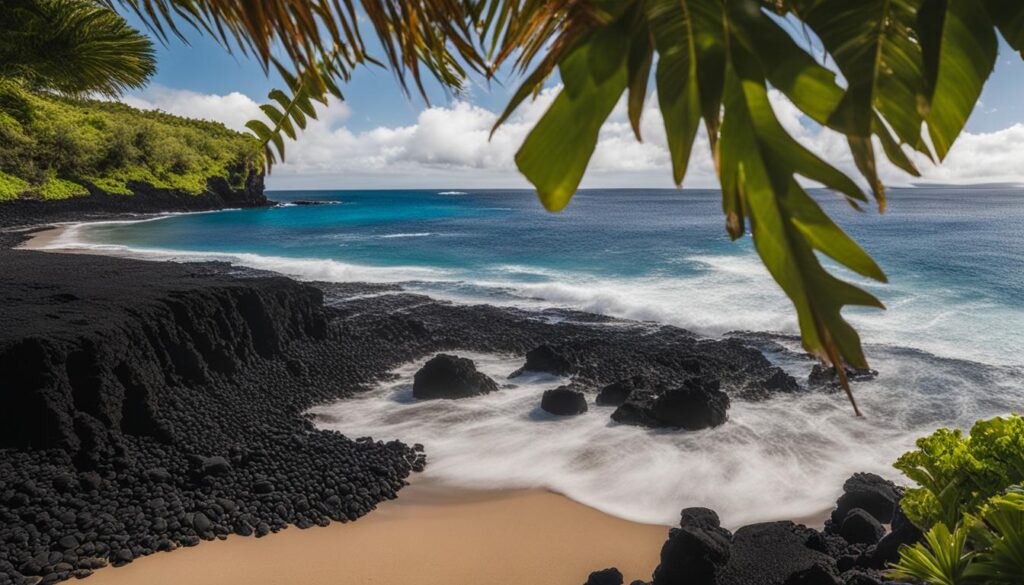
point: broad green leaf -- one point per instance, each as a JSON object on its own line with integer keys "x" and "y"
{"x": 824, "y": 235}
{"x": 874, "y": 45}
{"x": 1008, "y": 15}
{"x": 759, "y": 162}
{"x": 639, "y": 68}
{"x": 960, "y": 49}
{"x": 787, "y": 66}
{"x": 676, "y": 78}
{"x": 794, "y": 154}
{"x": 555, "y": 154}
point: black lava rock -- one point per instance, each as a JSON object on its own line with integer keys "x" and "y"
{"x": 902, "y": 532}
{"x": 777, "y": 553}
{"x": 449, "y": 376}
{"x": 825, "y": 376}
{"x": 547, "y": 359}
{"x": 698, "y": 404}
{"x": 871, "y": 493}
{"x": 215, "y": 465}
{"x": 701, "y": 517}
{"x": 859, "y": 527}
{"x": 616, "y": 393}
{"x": 564, "y": 401}
{"x": 610, "y": 576}
{"x": 694, "y": 554}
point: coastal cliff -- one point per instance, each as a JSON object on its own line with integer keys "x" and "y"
{"x": 66, "y": 158}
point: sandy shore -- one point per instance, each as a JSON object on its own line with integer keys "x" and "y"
{"x": 430, "y": 535}
{"x": 43, "y": 238}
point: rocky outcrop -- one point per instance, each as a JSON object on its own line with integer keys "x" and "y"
{"x": 701, "y": 552}
{"x": 877, "y": 496}
{"x": 145, "y": 407}
{"x": 449, "y": 376}
{"x": 616, "y": 393}
{"x": 697, "y": 404}
{"x": 86, "y": 361}
{"x": 564, "y": 401}
{"x": 825, "y": 376}
{"x": 549, "y": 360}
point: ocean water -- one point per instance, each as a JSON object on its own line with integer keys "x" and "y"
{"x": 949, "y": 348}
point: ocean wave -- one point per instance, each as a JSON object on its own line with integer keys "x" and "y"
{"x": 721, "y": 293}
{"x": 407, "y": 235}
{"x": 452, "y": 193}
{"x": 306, "y": 269}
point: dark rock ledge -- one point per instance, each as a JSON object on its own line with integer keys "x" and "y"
{"x": 851, "y": 552}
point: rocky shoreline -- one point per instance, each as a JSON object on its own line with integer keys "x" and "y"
{"x": 157, "y": 405}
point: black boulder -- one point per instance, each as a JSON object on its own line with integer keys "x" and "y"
{"x": 859, "y": 527}
{"x": 618, "y": 392}
{"x": 449, "y": 376}
{"x": 697, "y": 404}
{"x": 547, "y": 359}
{"x": 610, "y": 576}
{"x": 869, "y": 492}
{"x": 564, "y": 401}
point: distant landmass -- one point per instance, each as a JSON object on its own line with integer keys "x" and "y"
{"x": 968, "y": 185}
{"x": 56, "y": 148}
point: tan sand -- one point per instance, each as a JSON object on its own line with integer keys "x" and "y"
{"x": 43, "y": 238}
{"x": 428, "y": 536}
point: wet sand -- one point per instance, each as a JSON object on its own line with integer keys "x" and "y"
{"x": 429, "y": 536}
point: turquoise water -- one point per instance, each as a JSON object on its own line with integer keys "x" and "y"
{"x": 948, "y": 349}
{"x": 955, "y": 257}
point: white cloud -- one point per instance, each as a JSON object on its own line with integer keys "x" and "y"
{"x": 450, "y": 146}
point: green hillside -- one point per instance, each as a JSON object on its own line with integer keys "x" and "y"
{"x": 51, "y": 147}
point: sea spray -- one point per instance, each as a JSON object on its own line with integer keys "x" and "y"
{"x": 785, "y": 457}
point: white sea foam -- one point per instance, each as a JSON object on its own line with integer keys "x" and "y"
{"x": 409, "y": 235}
{"x": 452, "y": 193}
{"x": 306, "y": 269}
{"x": 782, "y": 458}
{"x": 725, "y": 293}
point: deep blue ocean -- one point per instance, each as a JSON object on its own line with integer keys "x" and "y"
{"x": 949, "y": 349}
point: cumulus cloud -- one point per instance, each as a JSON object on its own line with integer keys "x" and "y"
{"x": 451, "y": 146}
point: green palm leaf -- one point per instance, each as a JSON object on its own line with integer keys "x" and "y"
{"x": 942, "y": 562}
{"x": 72, "y": 47}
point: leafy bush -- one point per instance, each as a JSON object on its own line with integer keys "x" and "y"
{"x": 972, "y": 484}
{"x": 110, "y": 145}
{"x": 11, "y": 186}
{"x": 1001, "y": 529}
{"x": 959, "y": 474}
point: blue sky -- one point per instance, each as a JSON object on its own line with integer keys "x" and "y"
{"x": 382, "y": 138}
{"x": 375, "y": 99}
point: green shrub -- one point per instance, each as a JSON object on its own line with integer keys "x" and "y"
{"x": 973, "y": 484}
{"x": 11, "y": 186}
{"x": 110, "y": 145}
{"x": 958, "y": 474}
{"x": 57, "y": 188}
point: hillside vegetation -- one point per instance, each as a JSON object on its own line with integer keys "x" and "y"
{"x": 56, "y": 147}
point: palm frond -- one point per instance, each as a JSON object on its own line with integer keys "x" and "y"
{"x": 72, "y": 47}
{"x": 413, "y": 36}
